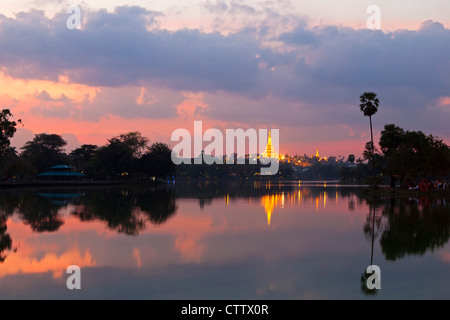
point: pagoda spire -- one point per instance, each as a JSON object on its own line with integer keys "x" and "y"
{"x": 270, "y": 151}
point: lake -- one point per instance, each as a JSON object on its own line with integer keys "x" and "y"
{"x": 248, "y": 240}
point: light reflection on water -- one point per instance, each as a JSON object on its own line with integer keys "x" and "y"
{"x": 261, "y": 240}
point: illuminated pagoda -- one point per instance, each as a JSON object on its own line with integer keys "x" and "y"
{"x": 270, "y": 151}
{"x": 318, "y": 156}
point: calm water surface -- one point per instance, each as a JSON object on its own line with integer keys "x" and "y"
{"x": 222, "y": 241}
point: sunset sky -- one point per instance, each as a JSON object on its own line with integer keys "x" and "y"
{"x": 155, "y": 66}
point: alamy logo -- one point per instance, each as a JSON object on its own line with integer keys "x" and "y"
{"x": 74, "y": 280}
{"x": 374, "y": 20}
{"x": 234, "y": 153}
{"x": 374, "y": 280}
{"x": 74, "y": 20}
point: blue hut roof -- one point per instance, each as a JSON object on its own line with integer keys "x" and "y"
{"x": 62, "y": 166}
{"x": 60, "y": 195}
{"x": 62, "y": 174}
{"x": 61, "y": 170}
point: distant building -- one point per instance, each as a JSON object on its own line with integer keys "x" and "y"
{"x": 62, "y": 171}
{"x": 318, "y": 156}
{"x": 270, "y": 151}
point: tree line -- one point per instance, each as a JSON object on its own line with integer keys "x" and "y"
{"x": 410, "y": 156}
{"x": 128, "y": 155}
{"x": 405, "y": 156}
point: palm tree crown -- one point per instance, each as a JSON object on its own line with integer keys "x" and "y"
{"x": 369, "y": 103}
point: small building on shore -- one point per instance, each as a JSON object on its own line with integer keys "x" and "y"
{"x": 61, "y": 172}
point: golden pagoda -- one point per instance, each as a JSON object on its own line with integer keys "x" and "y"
{"x": 318, "y": 156}
{"x": 270, "y": 151}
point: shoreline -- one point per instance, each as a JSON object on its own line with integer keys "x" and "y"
{"x": 400, "y": 192}
{"x": 57, "y": 183}
{"x": 382, "y": 191}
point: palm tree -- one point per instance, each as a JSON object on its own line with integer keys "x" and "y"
{"x": 369, "y": 106}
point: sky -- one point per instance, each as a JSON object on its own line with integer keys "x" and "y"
{"x": 156, "y": 66}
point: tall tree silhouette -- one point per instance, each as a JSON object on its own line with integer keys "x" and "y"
{"x": 7, "y": 130}
{"x": 44, "y": 151}
{"x": 369, "y": 106}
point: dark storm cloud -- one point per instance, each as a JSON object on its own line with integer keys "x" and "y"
{"x": 116, "y": 49}
{"x": 334, "y": 65}
{"x": 300, "y": 36}
{"x": 327, "y": 67}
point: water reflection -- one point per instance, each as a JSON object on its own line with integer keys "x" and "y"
{"x": 405, "y": 227}
{"x": 127, "y": 210}
{"x": 34, "y": 210}
{"x": 301, "y": 227}
{"x": 411, "y": 226}
{"x": 5, "y": 239}
{"x": 60, "y": 199}
{"x": 124, "y": 210}
{"x": 369, "y": 230}
{"x": 269, "y": 202}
